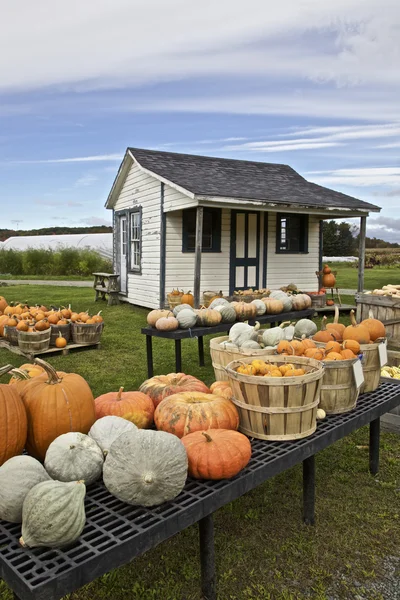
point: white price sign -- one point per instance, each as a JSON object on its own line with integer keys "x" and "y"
{"x": 383, "y": 357}
{"x": 358, "y": 373}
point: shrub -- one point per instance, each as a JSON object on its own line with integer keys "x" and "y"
{"x": 61, "y": 262}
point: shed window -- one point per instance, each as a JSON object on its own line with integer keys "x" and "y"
{"x": 135, "y": 239}
{"x": 211, "y": 230}
{"x": 291, "y": 233}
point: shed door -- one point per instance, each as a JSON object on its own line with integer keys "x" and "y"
{"x": 123, "y": 252}
{"x": 245, "y": 250}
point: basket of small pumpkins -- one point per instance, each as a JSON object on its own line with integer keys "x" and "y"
{"x": 86, "y": 328}
{"x": 277, "y": 397}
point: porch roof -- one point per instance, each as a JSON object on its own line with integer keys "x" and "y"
{"x": 207, "y": 177}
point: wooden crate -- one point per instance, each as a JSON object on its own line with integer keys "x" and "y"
{"x": 391, "y": 421}
{"x": 384, "y": 308}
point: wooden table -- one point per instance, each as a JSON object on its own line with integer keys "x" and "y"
{"x": 115, "y": 532}
{"x": 106, "y": 284}
{"x": 199, "y": 332}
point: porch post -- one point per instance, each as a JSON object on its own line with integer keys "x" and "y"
{"x": 361, "y": 254}
{"x": 197, "y": 256}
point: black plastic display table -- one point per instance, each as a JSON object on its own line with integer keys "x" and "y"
{"x": 200, "y": 332}
{"x": 115, "y": 532}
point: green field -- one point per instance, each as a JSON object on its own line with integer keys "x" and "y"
{"x": 263, "y": 549}
{"x": 347, "y": 276}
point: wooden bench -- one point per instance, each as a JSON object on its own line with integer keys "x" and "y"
{"x": 106, "y": 284}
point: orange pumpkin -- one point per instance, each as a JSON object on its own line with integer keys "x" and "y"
{"x": 3, "y": 304}
{"x": 330, "y": 302}
{"x": 351, "y": 345}
{"x": 23, "y": 326}
{"x": 332, "y": 347}
{"x": 3, "y": 321}
{"x": 188, "y": 298}
{"x": 132, "y": 406}
{"x": 60, "y": 403}
{"x": 328, "y": 280}
{"x": 285, "y": 347}
{"x": 187, "y": 412}
{"x": 42, "y": 325}
{"x": 336, "y": 326}
{"x": 66, "y": 312}
{"x": 359, "y": 333}
{"x": 325, "y": 335}
{"x": 307, "y": 343}
{"x": 54, "y": 317}
{"x": 216, "y": 453}
{"x": 375, "y": 327}
{"x": 222, "y": 388}
{"x": 334, "y": 356}
{"x": 61, "y": 342}
{"x": 326, "y": 270}
{"x": 31, "y": 370}
{"x": 297, "y": 347}
{"x": 13, "y": 421}
{"x": 347, "y": 354}
{"x": 317, "y": 353}
{"x": 162, "y": 386}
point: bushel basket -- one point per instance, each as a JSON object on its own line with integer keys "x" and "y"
{"x": 11, "y": 335}
{"x": 34, "y": 341}
{"x": 83, "y": 333}
{"x": 221, "y": 356}
{"x": 339, "y": 392}
{"x": 371, "y": 367}
{"x": 277, "y": 409}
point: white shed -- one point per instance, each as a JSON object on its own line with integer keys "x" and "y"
{"x": 204, "y": 223}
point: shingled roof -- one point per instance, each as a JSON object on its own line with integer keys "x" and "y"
{"x": 243, "y": 179}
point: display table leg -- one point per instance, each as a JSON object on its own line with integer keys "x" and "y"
{"x": 201, "y": 350}
{"x": 207, "y": 558}
{"x": 374, "y": 438}
{"x": 149, "y": 352}
{"x": 309, "y": 490}
{"x": 178, "y": 356}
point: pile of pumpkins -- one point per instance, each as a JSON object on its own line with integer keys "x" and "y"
{"x": 84, "y": 439}
{"x": 220, "y": 310}
{"x": 386, "y": 290}
{"x": 39, "y": 318}
{"x": 261, "y": 368}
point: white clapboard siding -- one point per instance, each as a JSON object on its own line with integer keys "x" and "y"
{"x": 283, "y": 269}
{"x": 180, "y": 265}
{"x": 175, "y": 200}
{"x": 140, "y": 189}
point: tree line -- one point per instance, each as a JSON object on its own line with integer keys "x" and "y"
{"x": 341, "y": 239}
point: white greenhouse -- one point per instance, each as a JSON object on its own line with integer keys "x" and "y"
{"x": 101, "y": 242}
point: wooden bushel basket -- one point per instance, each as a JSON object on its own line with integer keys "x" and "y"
{"x": 317, "y": 300}
{"x": 221, "y": 357}
{"x": 371, "y": 367}
{"x": 34, "y": 341}
{"x": 339, "y": 392}
{"x": 278, "y": 409}
{"x": 84, "y": 333}
{"x": 11, "y": 335}
{"x": 65, "y": 331}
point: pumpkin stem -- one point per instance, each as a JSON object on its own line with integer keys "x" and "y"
{"x": 51, "y": 372}
{"x": 99, "y": 313}
{"x": 336, "y": 317}
{"x": 284, "y": 324}
{"x": 257, "y": 326}
{"x": 208, "y": 437}
{"x": 5, "y": 369}
{"x": 353, "y": 318}
{"x": 20, "y": 374}
{"x": 119, "y": 395}
{"x": 323, "y": 323}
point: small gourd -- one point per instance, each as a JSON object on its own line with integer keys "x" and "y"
{"x": 250, "y": 345}
{"x": 218, "y": 302}
{"x": 305, "y": 327}
{"x": 241, "y": 333}
{"x": 180, "y": 307}
{"x": 18, "y": 476}
{"x": 146, "y": 467}
{"x": 107, "y": 429}
{"x": 74, "y": 456}
{"x": 53, "y": 514}
{"x": 321, "y": 414}
{"x": 228, "y": 313}
{"x": 260, "y": 306}
{"x": 186, "y": 318}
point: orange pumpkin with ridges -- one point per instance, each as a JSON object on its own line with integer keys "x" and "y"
{"x": 222, "y": 388}
{"x": 132, "y": 406}
{"x": 13, "y": 421}
{"x": 162, "y": 386}
{"x": 359, "y": 333}
{"x": 187, "y": 412}
{"x": 216, "y": 453}
{"x": 375, "y": 327}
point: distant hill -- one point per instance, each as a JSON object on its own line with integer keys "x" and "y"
{"x": 6, "y": 233}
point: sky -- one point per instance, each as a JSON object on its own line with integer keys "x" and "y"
{"x": 312, "y": 84}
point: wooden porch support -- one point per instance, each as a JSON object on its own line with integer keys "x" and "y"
{"x": 361, "y": 254}
{"x": 197, "y": 256}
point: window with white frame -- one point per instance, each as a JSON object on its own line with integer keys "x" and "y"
{"x": 135, "y": 239}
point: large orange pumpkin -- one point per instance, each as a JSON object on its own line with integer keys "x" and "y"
{"x": 133, "y": 406}
{"x": 187, "y": 412}
{"x": 328, "y": 280}
{"x": 60, "y": 403}
{"x": 3, "y": 304}
{"x": 359, "y": 333}
{"x": 222, "y": 388}
{"x": 375, "y": 327}
{"x": 216, "y": 453}
{"x": 13, "y": 421}
{"x": 162, "y": 386}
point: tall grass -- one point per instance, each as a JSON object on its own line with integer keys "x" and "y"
{"x": 41, "y": 261}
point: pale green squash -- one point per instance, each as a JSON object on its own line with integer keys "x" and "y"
{"x": 74, "y": 456}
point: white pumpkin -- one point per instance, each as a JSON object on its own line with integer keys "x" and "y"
{"x": 288, "y": 332}
{"x": 250, "y": 345}
{"x": 228, "y": 313}
{"x": 72, "y": 456}
{"x": 186, "y": 318}
{"x": 146, "y": 468}
{"x": 18, "y": 475}
{"x": 53, "y": 514}
{"x": 272, "y": 336}
{"x": 305, "y": 327}
{"x": 321, "y": 414}
{"x": 284, "y": 298}
{"x": 260, "y": 306}
{"x": 105, "y": 430}
{"x": 241, "y": 333}
{"x": 229, "y": 346}
{"x": 180, "y": 307}
{"x": 219, "y": 302}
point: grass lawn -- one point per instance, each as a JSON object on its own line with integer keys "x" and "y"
{"x": 48, "y": 277}
{"x": 347, "y": 276}
{"x": 263, "y": 549}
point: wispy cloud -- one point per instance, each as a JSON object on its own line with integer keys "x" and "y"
{"x": 75, "y": 159}
{"x": 362, "y": 177}
{"x": 94, "y": 221}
